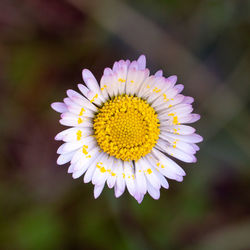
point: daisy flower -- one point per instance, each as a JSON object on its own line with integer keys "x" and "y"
{"x": 123, "y": 130}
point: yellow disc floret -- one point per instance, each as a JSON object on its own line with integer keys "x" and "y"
{"x": 126, "y": 127}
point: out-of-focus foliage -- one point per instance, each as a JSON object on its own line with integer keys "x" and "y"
{"x": 44, "y": 45}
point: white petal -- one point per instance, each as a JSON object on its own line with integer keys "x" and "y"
{"x": 71, "y": 169}
{"x": 185, "y": 147}
{"x": 161, "y": 105}
{"x": 63, "y": 133}
{"x": 193, "y": 118}
{"x": 83, "y": 89}
{"x": 90, "y": 171}
{"x": 170, "y": 92}
{"x": 67, "y": 122}
{"x": 111, "y": 178}
{"x": 157, "y": 89}
{"x": 179, "y": 154}
{"x": 79, "y": 111}
{"x": 108, "y": 83}
{"x": 78, "y": 134}
{"x": 150, "y": 174}
{"x": 120, "y": 73}
{"x": 59, "y": 107}
{"x": 134, "y": 80}
{"x": 60, "y": 149}
{"x": 140, "y": 177}
{"x": 120, "y": 181}
{"x": 80, "y": 172}
{"x": 84, "y": 158}
{"x": 94, "y": 94}
{"x": 70, "y": 119}
{"x": 104, "y": 81}
{"x": 113, "y": 173}
{"x": 95, "y": 97}
{"x": 159, "y": 73}
{"x": 166, "y": 166}
{"x": 138, "y": 196}
{"x": 145, "y": 88}
{"x": 71, "y": 146}
{"x": 180, "y": 110}
{"x": 80, "y": 100}
{"x": 188, "y": 100}
{"x": 108, "y": 72}
{"x": 196, "y": 148}
{"x": 172, "y": 79}
{"x": 161, "y": 178}
{"x": 134, "y": 65}
{"x": 84, "y": 163}
{"x": 76, "y": 157}
{"x": 141, "y": 62}
{"x": 179, "y": 87}
{"x": 193, "y": 138}
{"x": 178, "y": 129}
{"x": 64, "y": 158}
{"x": 98, "y": 190}
{"x": 101, "y": 173}
{"x": 154, "y": 192}
{"x": 129, "y": 177}
{"x": 90, "y": 80}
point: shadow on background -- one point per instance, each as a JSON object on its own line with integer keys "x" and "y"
{"x": 45, "y": 44}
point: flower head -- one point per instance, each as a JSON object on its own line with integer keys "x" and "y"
{"x": 122, "y": 130}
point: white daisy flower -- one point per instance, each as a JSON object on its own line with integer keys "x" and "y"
{"x": 122, "y": 130}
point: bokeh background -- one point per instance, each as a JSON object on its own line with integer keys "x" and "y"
{"x": 44, "y": 45}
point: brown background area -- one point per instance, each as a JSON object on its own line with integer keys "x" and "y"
{"x": 44, "y": 45}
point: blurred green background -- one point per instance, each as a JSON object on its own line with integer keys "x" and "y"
{"x": 44, "y": 45}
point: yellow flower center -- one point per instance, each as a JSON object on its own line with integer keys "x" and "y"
{"x": 126, "y": 127}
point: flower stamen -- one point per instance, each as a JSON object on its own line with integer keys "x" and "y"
{"x": 126, "y": 127}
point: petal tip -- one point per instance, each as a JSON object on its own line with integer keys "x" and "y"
{"x": 159, "y": 73}
{"x": 172, "y": 79}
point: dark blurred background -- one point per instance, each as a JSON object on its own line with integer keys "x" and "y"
{"x": 44, "y": 45}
